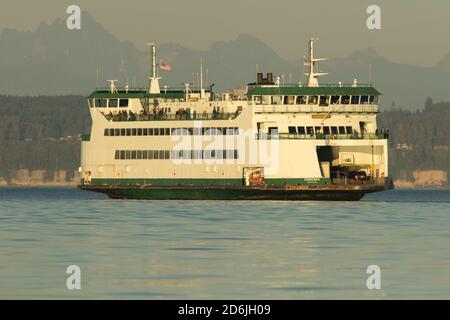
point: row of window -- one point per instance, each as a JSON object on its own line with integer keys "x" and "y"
{"x": 111, "y": 103}
{"x": 206, "y": 131}
{"x": 175, "y": 154}
{"x": 316, "y": 130}
{"x": 314, "y": 100}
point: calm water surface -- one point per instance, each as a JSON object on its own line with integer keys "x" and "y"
{"x": 220, "y": 249}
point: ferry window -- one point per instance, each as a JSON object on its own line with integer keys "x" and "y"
{"x": 213, "y": 154}
{"x": 229, "y": 154}
{"x": 122, "y": 154}
{"x": 349, "y": 130}
{"x": 166, "y": 154}
{"x": 364, "y": 99}
{"x": 100, "y": 103}
{"x": 313, "y": 99}
{"x": 289, "y": 100}
{"x": 155, "y": 154}
{"x": 150, "y": 131}
{"x": 266, "y": 99}
{"x": 128, "y": 132}
{"x": 326, "y": 130}
{"x": 133, "y": 131}
{"x": 161, "y": 131}
{"x": 335, "y": 99}
{"x": 123, "y": 103}
{"x": 133, "y": 154}
{"x": 341, "y": 130}
{"x": 117, "y": 132}
{"x": 175, "y": 131}
{"x": 334, "y": 130}
{"x": 197, "y": 131}
{"x": 318, "y": 130}
{"x": 292, "y": 130}
{"x": 144, "y": 131}
{"x": 139, "y": 155}
{"x": 156, "y": 131}
{"x": 122, "y": 132}
{"x": 161, "y": 154}
{"x": 345, "y": 99}
{"x": 186, "y": 154}
{"x": 301, "y": 130}
{"x": 117, "y": 155}
{"x": 310, "y": 130}
{"x": 277, "y": 99}
{"x": 257, "y": 99}
{"x": 139, "y": 131}
{"x": 373, "y": 99}
{"x": 355, "y": 99}
{"x": 324, "y": 101}
{"x": 144, "y": 154}
{"x": 112, "y": 103}
{"x": 236, "y": 154}
{"x": 236, "y": 131}
{"x": 106, "y": 132}
{"x": 273, "y": 130}
{"x": 167, "y": 131}
{"x": 150, "y": 154}
{"x": 128, "y": 154}
{"x": 111, "y": 132}
{"x": 301, "y": 100}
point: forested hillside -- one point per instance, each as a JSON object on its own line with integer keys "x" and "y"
{"x": 419, "y": 140}
{"x": 41, "y": 133}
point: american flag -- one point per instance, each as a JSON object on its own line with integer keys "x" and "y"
{"x": 165, "y": 66}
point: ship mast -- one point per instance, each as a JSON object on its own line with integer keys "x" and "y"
{"x": 153, "y": 86}
{"x": 312, "y": 75}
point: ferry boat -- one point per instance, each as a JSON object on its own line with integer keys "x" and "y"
{"x": 267, "y": 141}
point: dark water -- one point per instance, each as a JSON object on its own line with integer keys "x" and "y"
{"x": 219, "y": 249}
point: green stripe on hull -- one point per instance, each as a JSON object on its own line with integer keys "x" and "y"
{"x": 207, "y": 182}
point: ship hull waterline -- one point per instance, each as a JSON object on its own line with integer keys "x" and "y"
{"x": 309, "y": 193}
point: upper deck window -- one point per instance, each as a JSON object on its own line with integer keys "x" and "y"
{"x": 345, "y": 99}
{"x": 112, "y": 103}
{"x": 257, "y": 99}
{"x": 313, "y": 99}
{"x": 301, "y": 100}
{"x": 364, "y": 100}
{"x": 100, "y": 103}
{"x": 335, "y": 99}
{"x": 123, "y": 103}
{"x": 324, "y": 101}
{"x": 277, "y": 100}
{"x": 355, "y": 99}
{"x": 289, "y": 99}
{"x": 374, "y": 99}
{"x": 266, "y": 100}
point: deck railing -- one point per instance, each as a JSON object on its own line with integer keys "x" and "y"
{"x": 172, "y": 117}
{"x": 342, "y": 108}
{"x": 321, "y": 136}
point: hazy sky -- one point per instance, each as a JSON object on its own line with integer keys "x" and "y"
{"x": 413, "y": 31}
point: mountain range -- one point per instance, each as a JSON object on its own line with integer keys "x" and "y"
{"x": 53, "y": 60}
